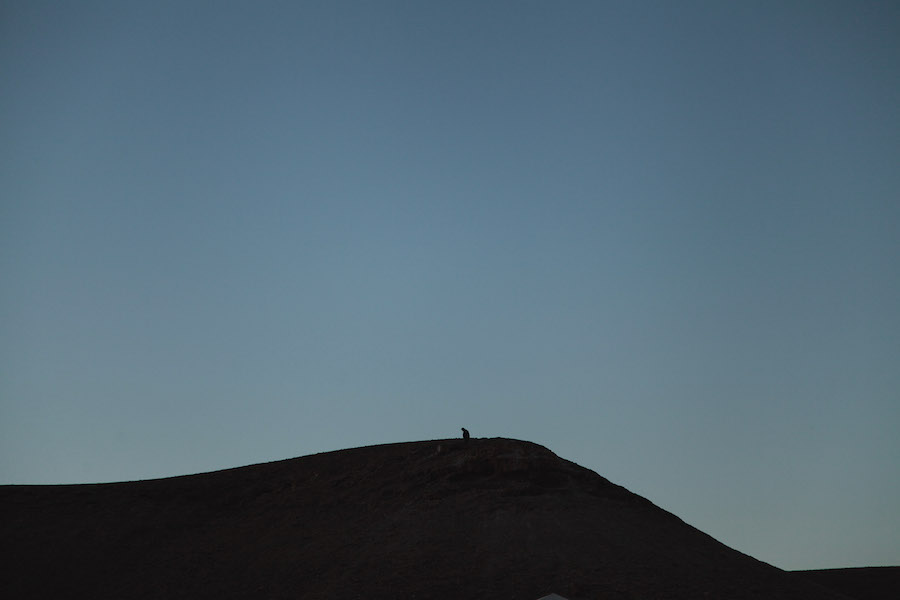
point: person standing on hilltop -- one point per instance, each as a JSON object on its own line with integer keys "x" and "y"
{"x": 465, "y": 434}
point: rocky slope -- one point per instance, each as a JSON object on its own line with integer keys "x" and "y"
{"x": 495, "y": 518}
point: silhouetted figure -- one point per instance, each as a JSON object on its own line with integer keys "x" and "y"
{"x": 465, "y": 434}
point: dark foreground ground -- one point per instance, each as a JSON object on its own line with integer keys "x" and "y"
{"x": 869, "y": 583}
{"x": 443, "y": 520}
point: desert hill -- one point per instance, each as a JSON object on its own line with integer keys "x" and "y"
{"x": 494, "y": 518}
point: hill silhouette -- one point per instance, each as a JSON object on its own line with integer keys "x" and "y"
{"x": 494, "y": 518}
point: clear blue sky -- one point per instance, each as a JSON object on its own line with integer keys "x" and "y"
{"x": 660, "y": 238}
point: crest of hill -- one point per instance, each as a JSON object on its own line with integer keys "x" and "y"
{"x": 442, "y": 519}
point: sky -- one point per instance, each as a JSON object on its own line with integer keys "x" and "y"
{"x": 660, "y": 238}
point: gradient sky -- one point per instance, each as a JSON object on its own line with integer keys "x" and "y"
{"x": 660, "y": 238}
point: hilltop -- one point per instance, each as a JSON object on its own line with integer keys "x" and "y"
{"x": 493, "y": 518}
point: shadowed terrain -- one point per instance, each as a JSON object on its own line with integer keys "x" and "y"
{"x": 866, "y": 583}
{"x": 493, "y": 518}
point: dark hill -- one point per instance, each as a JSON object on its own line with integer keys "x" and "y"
{"x": 496, "y": 518}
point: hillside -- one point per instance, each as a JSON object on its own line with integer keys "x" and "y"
{"x": 494, "y": 518}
